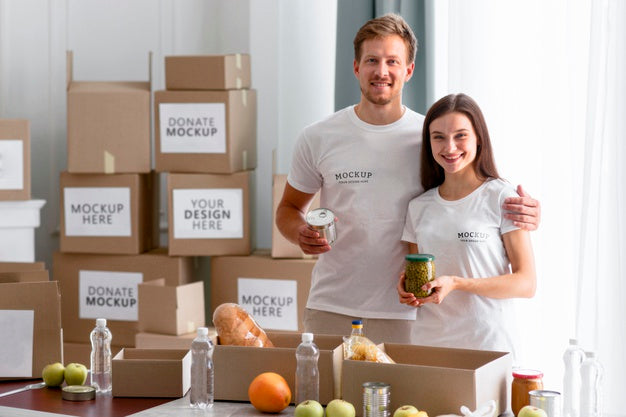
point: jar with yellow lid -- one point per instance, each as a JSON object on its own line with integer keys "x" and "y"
{"x": 524, "y": 381}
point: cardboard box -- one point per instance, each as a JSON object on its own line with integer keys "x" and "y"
{"x": 22, "y": 266}
{"x": 151, "y": 373}
{"x": 15, "y": 157}
{"x": 205, "y": 131}
{"x": 114, "y": 214}
{"x": 437, "y": 380}
{"x": 85, "y": 281}
{"x": 145, "y": 340}
{"x": 108, "y": 125}
{"x": 173, "y": 310}
{"x": 207, "y": 72}
{"x": 273, "y": 291}
{"x": 236, "y": 366}
{"x": 30, "y": 323}
{"x": 209, "y": 214}
{"x": 23, "y": 272}
{"x": 81, "y": 353}
{"x": 18, "y": 220}
{"x": 281, "y": 247}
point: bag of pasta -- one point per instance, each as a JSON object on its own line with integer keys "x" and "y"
{"x": 360, "y": 348}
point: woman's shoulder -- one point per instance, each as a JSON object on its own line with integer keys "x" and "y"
{"x": 500, "y": 188}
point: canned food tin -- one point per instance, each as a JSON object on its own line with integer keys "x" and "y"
{"x": 376, "y": 399}
{"x": 78, "y": 393}
{"x": 548, "y": 401}
{"x": 420, "y": 268}
{"x": 322, "y": 220}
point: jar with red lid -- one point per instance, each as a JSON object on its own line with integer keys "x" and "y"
{"x": 524, "y": 381}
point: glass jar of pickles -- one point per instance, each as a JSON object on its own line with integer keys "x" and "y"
{"x": 419, "y": 269}
{"x": 524, "y": 381}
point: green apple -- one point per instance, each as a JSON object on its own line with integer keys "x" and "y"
{"x": 405, "y": 411}
{"x": 75, "y": 374}
{"x": 309, "y": 408}
{"x": 531, "y": 411}
{"x": 53, "y": 374}
{"x": 340, "y": 408}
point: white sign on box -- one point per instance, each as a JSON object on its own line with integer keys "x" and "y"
{"x": 11, "y": 164}
{"x": 213, "y": 213}
{"x": 16, "y": 343}
{"x": 192, "y": 127}
{"x": 273, "y": 303}
{"x": 107, "y": 294}
{"x": 98, "y": 211}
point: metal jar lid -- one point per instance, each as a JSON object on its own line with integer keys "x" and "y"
{"x": 78, "y": 393}
{"x": 320, "y": 218}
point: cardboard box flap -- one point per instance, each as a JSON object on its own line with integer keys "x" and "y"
{"x": 24, "y": 276}
{"x": 440, "y": 357}
{"x": 160, "y": 355}
{"x": 21, "y": 266}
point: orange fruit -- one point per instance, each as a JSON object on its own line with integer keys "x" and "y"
{"x": 269, "y": 392}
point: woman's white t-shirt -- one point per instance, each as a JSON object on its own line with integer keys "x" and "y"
{"x": 465, "y": 236}
{"x": 367, "y": 175}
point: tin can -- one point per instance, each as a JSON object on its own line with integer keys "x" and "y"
{"x": 322, "y": 220}
{"x": 548, "y": 401}
{"x": 376, "y": 399}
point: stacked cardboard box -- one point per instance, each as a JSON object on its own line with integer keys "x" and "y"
{"x": 109, "y": 213}
{"x": 205, "y": 139}
{"x": 19, "y": 215}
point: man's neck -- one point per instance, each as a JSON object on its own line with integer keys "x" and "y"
{"x": 379, "y": 114}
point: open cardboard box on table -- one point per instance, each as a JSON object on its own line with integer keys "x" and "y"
{"x": 151, "y": 372}
{"x": 436, "y": 380}
{"x": 36, "y": 306}
{"x": 146, "y": 340}
{"x": 236, "y": 366}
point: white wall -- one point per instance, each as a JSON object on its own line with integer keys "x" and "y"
{"x": 292, "y": 47}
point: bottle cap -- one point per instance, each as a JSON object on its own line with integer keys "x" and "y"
{"x": 357, "y": 323}
{"x": 590, "y": 354}
{"x": 101, "y": 322}
{"x": 203, "y": 331}
{"x": 573, "y": 341}
{"x": 307, "y": 337}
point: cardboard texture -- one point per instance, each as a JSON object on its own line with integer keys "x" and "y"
{"x": 18, "y": 220}
{"x": 209, "y": 214}
{"x": 273, "y": 291}
{"x": 81, "y": 353}
{"x": 25, "y": 276}
{"x": 145, "y": 340}
{"x": 205, "y": 131}
{"x": 437, "y": 380}
{"x": 21, "y": 266}
{"x": 281, "y": 247}
{"x": 44, "y": 299}
{"x": 108, "y": 125}
{"x": 15, "y": 183}
{"x": 109, "y": 214}
{"x": 172, "y": 310}
{"x": 207, "y": 72}
{"x": 120, "y": 272}
{"x": 151, "y": 373}
{"x": 236, "y": 366}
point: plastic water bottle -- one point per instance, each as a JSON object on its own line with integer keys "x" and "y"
{"x": 357, "y": 328}
{"x": 591, "y": 373}
{"x": 201, "y": 395}
{"x": 101, "y": 357}
{"x": 307, "y": 374}
{"x": 572, "y": 359}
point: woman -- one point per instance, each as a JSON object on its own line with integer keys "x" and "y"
{"x": 482, "y": 259}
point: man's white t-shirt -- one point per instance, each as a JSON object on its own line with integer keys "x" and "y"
{"x": 465, "y": 236}
{"x": 367, "y": 175}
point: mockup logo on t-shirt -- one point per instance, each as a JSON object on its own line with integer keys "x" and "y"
{"x": 353, "y": 177}
{"x": 472, "y": 237}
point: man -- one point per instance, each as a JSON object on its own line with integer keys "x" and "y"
{"x": 365, "y": 160}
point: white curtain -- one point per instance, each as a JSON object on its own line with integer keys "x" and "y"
{"x": 550, "y": 78}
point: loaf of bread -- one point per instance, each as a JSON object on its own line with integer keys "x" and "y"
{"x": 235, "y": 326}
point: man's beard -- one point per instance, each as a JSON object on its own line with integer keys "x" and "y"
{"x": 379, "y": 100}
